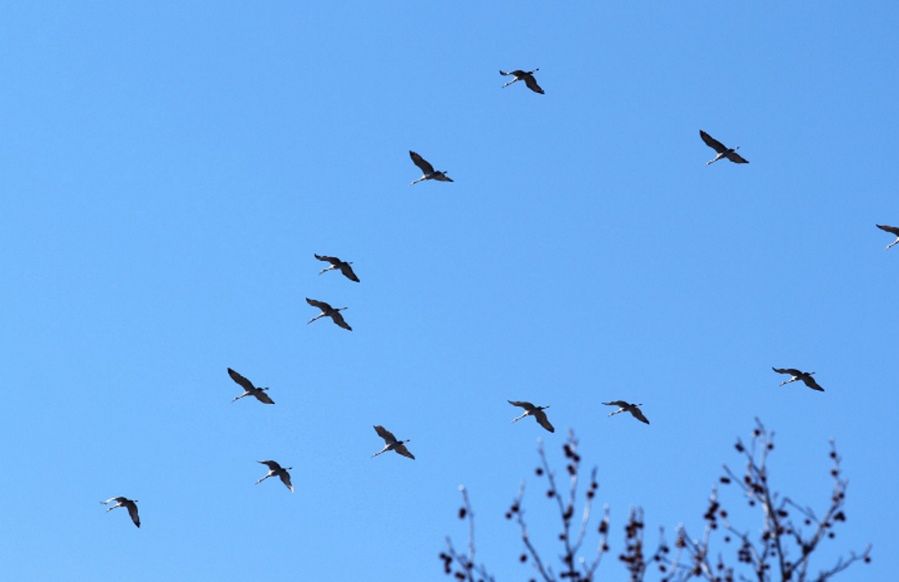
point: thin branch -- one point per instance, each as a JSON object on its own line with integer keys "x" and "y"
{"x": 535, "y": 557}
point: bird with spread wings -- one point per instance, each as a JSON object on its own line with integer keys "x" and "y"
{"x": 391, "y": 443}
{"x": 722, "y": 150}
{"x": 535, "y": 411}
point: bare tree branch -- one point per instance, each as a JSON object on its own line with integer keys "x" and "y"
{"x": 781, "y": 550}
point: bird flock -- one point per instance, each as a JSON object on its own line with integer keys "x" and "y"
{"x": 391, "y": 443}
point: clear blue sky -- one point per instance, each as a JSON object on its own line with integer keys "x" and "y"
{"x": 167, "y": 170}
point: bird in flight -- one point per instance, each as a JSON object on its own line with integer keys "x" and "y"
{"x": 392, "y": 444}
{"x": 328, "y": 311}
{"x": 893, "y": 230}
{"x": 131, "y": 504}
{"x": 624, "y": 406}
{"x": 796, "y": 375}
{"x": 274, "y": 469}
{"x": 526, "y": 76}
{"x": 723, "y": 151}
{"x": 336, "y": 263}
{"x": 249, "y": 389}
{"x": 535, "y": 411}
{"x": 427, "y": 170}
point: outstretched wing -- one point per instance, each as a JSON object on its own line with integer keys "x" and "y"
{"x": 320, "y": 304}
{"x": 619, "y": 403}
{"x": 401, "y": 449}
{"x": 542, "y": 420}
{"x": 712, "y": 142}
{"x": 347, "y": 271}
{"x": 422, "y": 163}
{"x": 244, "y": 383}
{"x": 790, "y": 371}
{"x": 285, "y": 478}
{"x": 531, "y": 82}
{"x": 522, "y": 404}
{"x": 811, "y": 383}
{"x": 132, "y": 511}
{"x": 890, "y": 229}
{"x": 261, "y": 396}
{"x": 327, "y": 259}
{"x": 385, "y": 434}
{"x": 337, "y": 318}
{"x": 638, "y": 414}
{"x": 273, "y": 465}
{"x": 736, "y": 158}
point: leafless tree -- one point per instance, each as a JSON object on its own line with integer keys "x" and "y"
{"x": 782, "y": 550}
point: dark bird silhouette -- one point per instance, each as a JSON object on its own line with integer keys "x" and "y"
{"x": 392, "y": 444}
{"x": 274, "y": 469}
{"x": 723, "y": 151}
{"x": 328, "y": 311}
{"x": 893, "y": 230}
{"x": 535, "y": 411}
{"x": 427, "y": 170}
{"x": 336, "y": 263}
{"x": 249, "y": 389}
{"x": 131, "y": 504}
{"x": 796, "y": 375}
{"x": 526, "y": 76}
{"x": 624, "y": 406}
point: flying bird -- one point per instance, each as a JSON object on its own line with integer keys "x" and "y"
{"x": 427, "y": 170}
{"x": 328, "y": 311}
{"x": 893, "y": 230}
{"x": 274, "y": 469}
{"x": 336, "y": 263}
{"x": 392, "y": 444}
{"x": 535, "y": 411}
{"x": 249, "y": 389}
{"x": 723, "y": 151}
{"x": 131, "y": 504}
{"x": 526, "y": 76}
{"x": 796, "y": 375}
{"x": 623, "y": 406}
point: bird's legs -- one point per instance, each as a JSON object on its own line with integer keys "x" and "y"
{"x": 718, "y": 157}
{"x": 517, "y": 418}
{"x": 422, "y": 179}
{"x": 516, "y": 79}
{"x": 319, "y": 316}
{"x": 382, "y": 451}
{"x": 264, "y": 478}
{"x": 790, "y": 381}
{"x": 892, "y": 244}
{"x": 619, "y": 411}
{"x": 331, "y": 268}
{"x": 236, "y": 398}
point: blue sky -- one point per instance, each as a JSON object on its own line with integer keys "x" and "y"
{"x": 168, "y": 170}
